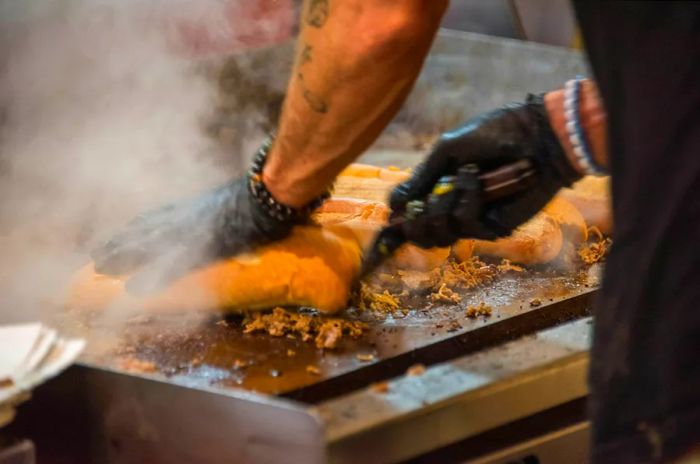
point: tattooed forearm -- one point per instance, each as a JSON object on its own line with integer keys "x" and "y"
{"x": 317, "y": 13}
{"x": 316, "y": 103}
{"x": 305, "y": 55}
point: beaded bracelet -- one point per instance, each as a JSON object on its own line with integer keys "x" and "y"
{"x": 264, "y": 198}
{"x": 574, "y": 129}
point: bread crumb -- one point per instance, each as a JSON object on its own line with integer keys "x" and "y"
{"x": 535, "y": 302}
{"x": 369, "y": 357}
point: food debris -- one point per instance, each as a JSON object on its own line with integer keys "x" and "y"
{"x": 596, "y": 251}
{"x": 507, "y": 266}
{"x": 380, "y": 387}
{"x": 275, "y": 373}
{"x": 467, "y": 274}
{"x": 369, "y": 357}
{"x": 314, "y": 370}
{"x": 222, "y": 323}
{"x": 454, "y": 326}
{"x": 482, "y": 309}
{"x": 291, "y": 353}
{"x": 238, "y": 364}
{"x": 445, "y": 295}
{"x": 535, "y": 302}
{"x": 141, "y": 366}
{"x": 324, "y": 331}
{"x": 415, "y": 370}
{"x": 370, "y": 298}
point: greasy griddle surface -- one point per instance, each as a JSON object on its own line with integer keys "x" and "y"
{"x": 215, "y": 351}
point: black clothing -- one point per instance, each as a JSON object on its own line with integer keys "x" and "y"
{"x": 645, "y": 362}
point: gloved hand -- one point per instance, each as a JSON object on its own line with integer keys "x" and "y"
{"x": 172, "y": 240}
{"x": 487, "y": 142}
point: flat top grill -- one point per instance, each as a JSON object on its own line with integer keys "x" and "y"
{"x": 215, "y": 353}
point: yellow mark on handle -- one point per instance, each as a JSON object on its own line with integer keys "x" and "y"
{"x": 383, "y": 249}
{"x": 443, "y": 188}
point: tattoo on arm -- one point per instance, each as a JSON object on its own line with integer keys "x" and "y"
{"x": 316, "y": 103}
{"x": 305, "y": 55}
{"x": 317, "y": 13}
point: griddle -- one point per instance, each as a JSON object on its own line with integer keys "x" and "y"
{"x": 216, "y": 352}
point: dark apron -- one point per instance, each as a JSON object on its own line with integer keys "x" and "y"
{"x": 645, "y": 362}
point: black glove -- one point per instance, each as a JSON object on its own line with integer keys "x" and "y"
{"x": 487, "y": 142}
{"x": 174, "y": 239}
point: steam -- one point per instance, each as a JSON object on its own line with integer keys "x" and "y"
{"x": 103, "y": 113}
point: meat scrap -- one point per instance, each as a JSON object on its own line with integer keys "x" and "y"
{"x": 326, "y": 332}
{"x": 482, "y": 309}
{"x": 445, "y": 295}
{"x": 595, "y": 251}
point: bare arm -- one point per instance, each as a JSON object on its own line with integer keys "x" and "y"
{"x": 356, "y": 63}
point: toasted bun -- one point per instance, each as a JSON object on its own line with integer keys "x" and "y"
{"x": 591, "y": 196}
{"x": 538, "y": 241}
{"x": 312, "y": 267}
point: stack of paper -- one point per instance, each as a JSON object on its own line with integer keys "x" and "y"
{"x": 29, "y": 355}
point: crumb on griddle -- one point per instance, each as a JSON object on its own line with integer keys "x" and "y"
{"x": 415, "y": 370}
{"x": 136, "y": 365}
{"x": 326, "y": 332}
{"x": 535, "y": 302}
{"x": 380, "y": 387}
{"x": 596, "y": 250}
{"x": 482, "y": 309}
{"x": 507, "y": 266}
{"x": 291, "y": 353}
{"x": 313, "y": 370}
{"x": 371, "y": 298}
{"x": 369, "y": 357}
{"x": 445, "y": 295}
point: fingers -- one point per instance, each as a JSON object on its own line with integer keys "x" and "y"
{"x": 438, "y": 163}
{"x": 164, "y": 270}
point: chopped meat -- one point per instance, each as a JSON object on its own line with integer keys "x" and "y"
{"x": 507, "y": 266}
{"x": 291, "y": 353}
{"x": 329, "y": 335}
{"x": 595, "y": 251}
{"x": 535, "y": 302}
{"x": 369, "y": 297}
{"x": 445, "y": 295}
{"x": 326, "y": 332}
{"x": 482, "y": 309}
{"x": 365, "y": 357}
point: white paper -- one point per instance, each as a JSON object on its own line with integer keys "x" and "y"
{"x": 42, "y": 348}
{"x": 16, "y": 343}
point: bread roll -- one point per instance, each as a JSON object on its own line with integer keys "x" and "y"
{"x": 312, "y": 267}
{"x": 591, "y": 196}
{"x": 538, "y": 241}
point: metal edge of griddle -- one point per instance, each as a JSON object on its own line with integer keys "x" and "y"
{"x": 459, "y": 399}
{"x": 470, "y": 341}
{"x": 92, "y": 414}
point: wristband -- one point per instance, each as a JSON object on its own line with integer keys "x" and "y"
{"x": 574, "y": 129}
{"x": 273, "y": 208}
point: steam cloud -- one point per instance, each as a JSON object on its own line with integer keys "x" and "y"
{"x": 102, "y": 115}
